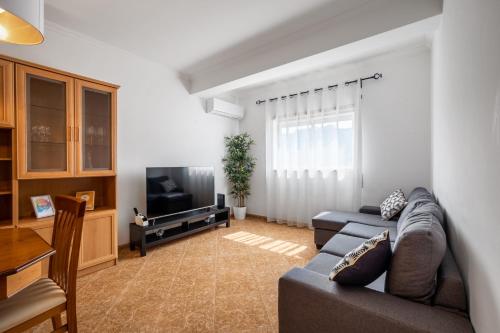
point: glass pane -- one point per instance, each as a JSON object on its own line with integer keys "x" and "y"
{"x": 46, "y": 124}
{"x": 96, "y": 134}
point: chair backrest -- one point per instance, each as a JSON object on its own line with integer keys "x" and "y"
{"x": 66, "y": 239}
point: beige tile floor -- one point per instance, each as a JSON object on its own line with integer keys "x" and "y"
{"x": 225, "y": 280}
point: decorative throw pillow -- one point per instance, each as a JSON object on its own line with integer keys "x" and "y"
{"x": 169, "y": 185}
{"x": 364, "y": 264}
{"x": 393, "y": 204}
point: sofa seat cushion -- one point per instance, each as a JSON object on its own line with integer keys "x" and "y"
{"x": 368, "y": 231}
{"x": 450, "y": 292}
{"x": 323, "y": 264}
{"x": 336, "y": 220}
{"x": 340, "y": 244}
{"x": 30, "y": 302}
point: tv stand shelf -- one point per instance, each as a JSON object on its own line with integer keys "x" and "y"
{"x": 164, "y": 229}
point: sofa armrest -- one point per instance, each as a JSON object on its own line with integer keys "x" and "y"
{"x": 309, "y": 302}
{"x": 372, "y": 210}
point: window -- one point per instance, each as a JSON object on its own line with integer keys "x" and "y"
{"x": 323, "y": 142}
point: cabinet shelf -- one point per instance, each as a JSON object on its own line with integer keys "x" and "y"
{"x": 33, "y": 222}
{"x": 5, "y": 192}
{"x": 48, "y": 142}
{"x": 5, "y": 159}
{"x": 49, "y": 108}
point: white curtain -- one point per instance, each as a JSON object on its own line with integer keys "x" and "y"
{"x": 313, "y": 154}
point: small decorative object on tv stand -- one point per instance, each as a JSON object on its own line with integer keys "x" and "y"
{"x": 176, "y": 226}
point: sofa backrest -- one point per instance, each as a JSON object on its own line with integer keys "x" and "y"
{"x": 418, "y": 252}
{"x": 450, "y": 292}
{"x": 432, "y": 275}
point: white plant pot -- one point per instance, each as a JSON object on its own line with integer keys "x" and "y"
{"x": 239, "y": 212}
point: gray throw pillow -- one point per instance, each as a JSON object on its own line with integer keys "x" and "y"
{"x": 364, "y": 264}
{"x": 417, "y": 255}
{"x": 393, "y": 204}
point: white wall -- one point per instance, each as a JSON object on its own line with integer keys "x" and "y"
{"x": 396, "y": 122}
{"x": 159, "y": 123}
{"x": 466, "y": 147}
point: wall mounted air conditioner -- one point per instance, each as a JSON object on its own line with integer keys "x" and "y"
{"x": 225, "y": 109}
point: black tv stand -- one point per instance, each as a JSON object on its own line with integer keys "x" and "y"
{"x": 164, "y": 229}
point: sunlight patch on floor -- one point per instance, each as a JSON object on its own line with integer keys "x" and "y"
{"x": 267, "y": 243}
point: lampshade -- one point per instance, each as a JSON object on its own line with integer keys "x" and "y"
{"x": 21, "y": 21}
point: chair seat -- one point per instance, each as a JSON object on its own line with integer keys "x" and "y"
{"x": 30, "y": 302}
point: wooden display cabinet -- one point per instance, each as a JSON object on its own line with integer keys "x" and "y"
{"x": 59, "y": 139}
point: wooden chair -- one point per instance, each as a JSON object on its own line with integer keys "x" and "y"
{"x": 49, "y": 297}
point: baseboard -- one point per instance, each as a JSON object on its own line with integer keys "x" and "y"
{"x": 257, "y": 217}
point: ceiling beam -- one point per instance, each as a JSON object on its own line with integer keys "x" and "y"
{"x": 319, "y": 43}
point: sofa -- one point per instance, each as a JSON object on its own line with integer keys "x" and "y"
{"x": 309, "y": 302}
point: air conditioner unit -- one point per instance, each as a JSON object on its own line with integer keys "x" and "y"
{"x": 225, "y": 109}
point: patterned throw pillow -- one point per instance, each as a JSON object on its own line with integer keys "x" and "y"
{"x": 364, "y": 264}
{"x": 169, "y": 185}
{"x": 393, "y": 204}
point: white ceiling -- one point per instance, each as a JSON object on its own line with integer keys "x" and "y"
{"x": 187, "y": 34}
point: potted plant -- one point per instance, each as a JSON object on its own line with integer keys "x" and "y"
{"x": 239, "y": 165}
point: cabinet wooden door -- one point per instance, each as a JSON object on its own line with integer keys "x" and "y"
{"x": 6, "y": 93}
{"x": 95, "y": 125}
{"x": 45, "y": 119}
{"x": 98, "y": 239}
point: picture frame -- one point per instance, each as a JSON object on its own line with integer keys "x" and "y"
{"x": 43, "y": 206}
{"x": 88, "y": 197}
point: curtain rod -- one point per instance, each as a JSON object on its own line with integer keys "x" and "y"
{"x": 375, "y": 76}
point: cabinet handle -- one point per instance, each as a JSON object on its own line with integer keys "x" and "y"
{"x": 69, "y": 134}
{"x": 77, "y": 134}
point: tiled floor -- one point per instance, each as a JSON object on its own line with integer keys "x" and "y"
{"x": 224, "y": 280}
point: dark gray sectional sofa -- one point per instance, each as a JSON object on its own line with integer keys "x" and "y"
{"x": 422, "y": 291}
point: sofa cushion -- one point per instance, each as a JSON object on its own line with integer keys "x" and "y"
{"x": 421, "y": 207}
{"x": 336, "y": 220}
{"x": 365, "y": 263}
{"x": 450, "y": 292}
{"x": 367, "y": 231}
{"x": 416, "y": 198}
{"x": 323, "y": 264}
{"x": 418, "y": 252}
{"x": 420, "y": 193}
{"x": 340, "y": 244}
{"x": 393, "y": 204}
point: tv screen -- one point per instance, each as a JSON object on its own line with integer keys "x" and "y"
{"x": 172, "y": 190}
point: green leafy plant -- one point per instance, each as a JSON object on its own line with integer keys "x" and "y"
{"x": 239, "y": 165}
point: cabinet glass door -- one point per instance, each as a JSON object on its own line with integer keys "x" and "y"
{"x": 45, "y": 117}
{"x": 95, "y": 129}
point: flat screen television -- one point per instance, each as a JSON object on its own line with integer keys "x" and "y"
{"x": 172, "y": 190}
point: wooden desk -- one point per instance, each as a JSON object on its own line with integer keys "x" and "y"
{"x": 21, "y": 251}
